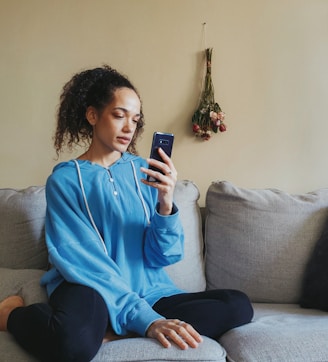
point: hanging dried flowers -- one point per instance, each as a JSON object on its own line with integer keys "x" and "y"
{"x": 208, "y": 117}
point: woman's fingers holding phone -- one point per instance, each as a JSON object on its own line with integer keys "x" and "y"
{"x": 158, "y": 170}
{"x": 167, "y": 160}
{"x": 169, "y": 168}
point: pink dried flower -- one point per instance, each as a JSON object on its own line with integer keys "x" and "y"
{"x": 213, "y": 116}
{"x": 221, "y": 116}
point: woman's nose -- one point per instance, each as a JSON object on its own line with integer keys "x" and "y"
{"x": 129, "y": 126}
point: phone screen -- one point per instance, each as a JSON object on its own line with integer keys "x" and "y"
{"x": 165, "y": 142}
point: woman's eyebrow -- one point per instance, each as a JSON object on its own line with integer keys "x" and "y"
{"x": 126, "y": 111}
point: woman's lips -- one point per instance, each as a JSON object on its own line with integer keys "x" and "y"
{"x": 124, "y": 140}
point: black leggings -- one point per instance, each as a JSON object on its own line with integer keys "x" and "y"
{"x": 72, "y": 326}
{"x": 211, "y": 313}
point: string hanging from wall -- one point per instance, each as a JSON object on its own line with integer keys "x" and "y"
{"x": 209, "y": 117}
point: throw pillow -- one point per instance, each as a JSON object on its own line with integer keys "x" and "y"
{"x": 188, "y": 274}
{"x": 259, "y": 240}
{"x": 22, "y": 214}
{"x": 315, "y": 283}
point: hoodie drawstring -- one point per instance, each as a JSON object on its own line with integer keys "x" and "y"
{"x": 87, "y": 206}
{"x": 140, "y": 193}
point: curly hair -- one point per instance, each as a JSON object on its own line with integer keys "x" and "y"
{"x": 93, "y": 87}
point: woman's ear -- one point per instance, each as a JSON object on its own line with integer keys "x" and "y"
{"x": 91, "y": 115}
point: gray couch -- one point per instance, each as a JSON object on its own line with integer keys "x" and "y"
{"x": 258, "y": 241}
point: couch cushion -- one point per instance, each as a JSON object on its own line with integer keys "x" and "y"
{"x": 23, "y": 282}
{"x": 279, "y": 332}
{"x": 127, "y": 350}
{"x": 22, "y": 214}
{"x": 146, "y": 349}
{"x": 189, "y": 273}
{"x": 259, "y": 241}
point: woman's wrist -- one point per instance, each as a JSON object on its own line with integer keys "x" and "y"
{"x": 165, "y": 209}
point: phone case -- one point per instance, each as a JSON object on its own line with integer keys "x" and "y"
{"x": 164, "y": 141}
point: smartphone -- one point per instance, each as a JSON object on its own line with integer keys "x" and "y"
{"x": 165, "y": 142}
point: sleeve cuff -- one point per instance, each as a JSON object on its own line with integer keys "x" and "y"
{"x": 174, "y": 209}
{"x": 141, "y": 318}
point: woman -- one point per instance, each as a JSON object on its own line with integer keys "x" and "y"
{"x": 109, "y": 233}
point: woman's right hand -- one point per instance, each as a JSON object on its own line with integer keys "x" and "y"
{"x": 176, "y": 331}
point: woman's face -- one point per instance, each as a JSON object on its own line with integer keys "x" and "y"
{"x": 114, "y": 127}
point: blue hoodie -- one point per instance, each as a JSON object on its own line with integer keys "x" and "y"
{"x": 123, "y": 254}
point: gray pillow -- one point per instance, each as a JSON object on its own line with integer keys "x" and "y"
{"x": 259, "y": 241}
{"x": 23, "y": 282}
{"x": 22, "y": 215}
{"x": 189, "y": 274}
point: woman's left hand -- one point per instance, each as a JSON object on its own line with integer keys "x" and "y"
{"x": 166, "y": 181}
{"x": 176, "y": 331}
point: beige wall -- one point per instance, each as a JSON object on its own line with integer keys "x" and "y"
{"x": 269, "y": 72}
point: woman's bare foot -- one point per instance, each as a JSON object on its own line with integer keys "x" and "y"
{"x": 6, "y": 307}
